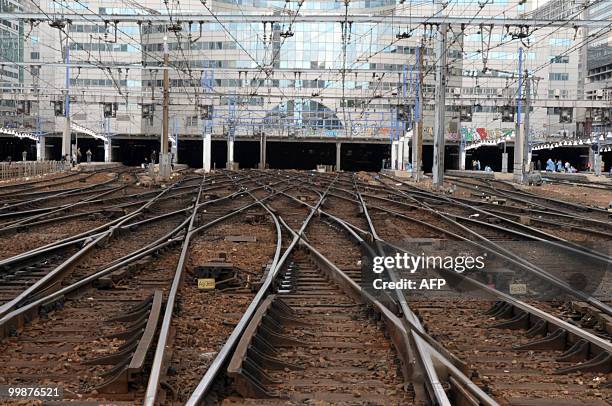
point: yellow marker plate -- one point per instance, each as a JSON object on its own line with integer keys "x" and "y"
{"x": 206, "y": 284}
{"x": 518, "y": 289}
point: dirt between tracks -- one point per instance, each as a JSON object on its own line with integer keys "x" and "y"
{"x": 206, "y": 318}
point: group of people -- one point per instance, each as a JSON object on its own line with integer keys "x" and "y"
{"x": 476, "y": 166}
{"x": 154, "y": 159}
{"x": 558, "y": 166}
{"x": 76, "y": 157}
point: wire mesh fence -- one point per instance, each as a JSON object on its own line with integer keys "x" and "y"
{"x": 26, "y": 169}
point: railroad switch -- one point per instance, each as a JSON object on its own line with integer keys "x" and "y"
{"x": 255, "y": 286}
{"x": 255, "y": 217}
{"x": 223, "y": 273}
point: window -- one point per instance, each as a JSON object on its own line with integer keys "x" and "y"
{"x": 191, "y": 121}
{"x": 559, "y": 59}
{"x": 558, "y": 76}
{"x": 34, "y": 55}
{"x": 560, "y": 42}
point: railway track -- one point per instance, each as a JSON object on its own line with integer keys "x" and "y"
{"x": 24, "y": 280}
{"x": 319, "y": 345}
{"x": 117, "y": 313}
{"x": 292, "y": 319}
{"x": 530, "y": 200}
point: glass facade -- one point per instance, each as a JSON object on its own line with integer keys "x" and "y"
{"x": 11, "y": 50}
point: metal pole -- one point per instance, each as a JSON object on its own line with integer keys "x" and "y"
{"x": 518, "y": 136}
{"x": 526, "y": 161}
{"x": 440, "y": 107}
{"x": 417, "y": 136}
{"x": 66, "y": 138}
{"x": 163, "y": 156}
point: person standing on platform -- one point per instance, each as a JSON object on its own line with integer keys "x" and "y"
{"x": 24, "y": 156}
{"x": 559, "y": 166}
{"x": 153, "y": 157}
{"x": 88, "y": 153}
{"x": 550, "y": 165}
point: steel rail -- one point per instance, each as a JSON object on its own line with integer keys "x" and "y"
{"x": 536, "y": 234}
{"x": 571, "y": 247}
{"x": 64, "y": 193}
{"x": 435, "y": 347}
{"x": 516, "y": 211}
{"x": 424, "y": 358}
{"x": 603, "y": 344}
{"x": 205, "y": 384}
{"x": 8, "y": 321}
{"x": 29, "y": 221}
{"x": 82, "y": 237}
{"x": 509, "y": 256}
{"x": 56, "y": 192}
{"x": 25, "y": 185}
{"x": 508, "y": 194}
{"x": 5, "y": 189}
{"x": 576, "y": 182}
{"x": 160, "y": 243}
{"x": 65, "y": 266}
{"x": 158, "y": 359}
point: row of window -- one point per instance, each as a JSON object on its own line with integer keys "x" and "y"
{"x": 198, "y": 46}
{"x": 104, "y": 83}
{"x": 102, "y": 29}
{"x": 558, "y": 76}
{"x": 102, "y": 46}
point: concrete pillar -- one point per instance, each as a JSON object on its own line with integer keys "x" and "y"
{"x": 504, "y": 162}
{"x": 206, "y": 152}
{"x": 338, "y": 156}
{"x": 230, "y": 153}
{"x": 164, "y": 165}
{"x": 40, "y": 148}
{"x": 529, "y": 158}
{"x": 406, "y": 157}
{"x": 174, "y": 152}
{"x": 108, "y": 151}
{"x": 400, "y": 153}
{"x": 518, "y": 155}
{"x": 462, "y": 156}
{"x": 394, "y": 155}
{"x": 66, "y": 138}
{"x": 262, "y": 151}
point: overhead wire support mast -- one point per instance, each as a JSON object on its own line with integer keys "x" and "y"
{"x": 417, "y": 133}
{"x": 164, "y": 167}
{"x": 440, "y": 108}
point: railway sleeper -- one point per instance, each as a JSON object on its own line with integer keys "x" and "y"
{"x": 256, "y": 349}
{"x": 589, "y": 357}
{"x": 130, "y": 359}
